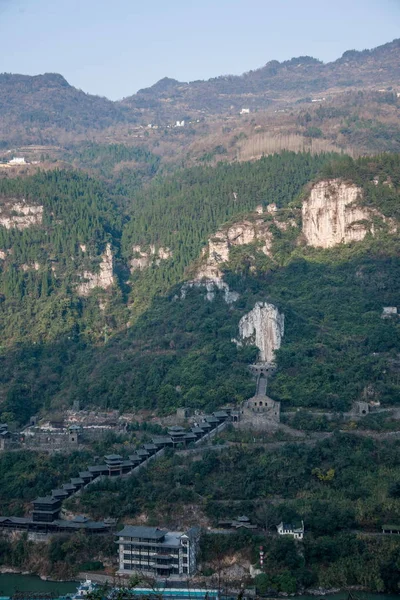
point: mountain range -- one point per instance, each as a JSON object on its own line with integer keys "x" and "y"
{"x": 40, "y": 108}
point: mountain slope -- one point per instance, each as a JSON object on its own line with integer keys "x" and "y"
{"x": 41, "y": 106}
{"x": 45, "y": 109}
{"x": 287, "y": 81}
{"x": 178, "y": 349}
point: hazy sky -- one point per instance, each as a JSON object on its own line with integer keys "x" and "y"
{"x": 115, "y": 47}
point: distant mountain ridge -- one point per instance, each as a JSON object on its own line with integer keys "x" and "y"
{"x": 289, "y": 80}
{"x": 37, "y": 108}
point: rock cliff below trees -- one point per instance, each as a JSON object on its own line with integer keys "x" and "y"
{"x": 20, "y": 214}
{"x": 103, "y": 279}
{"x": 262, "y": 327}
{"x": 332, "y": 215}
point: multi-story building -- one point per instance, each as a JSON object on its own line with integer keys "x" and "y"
{"x": 157, "y": 552}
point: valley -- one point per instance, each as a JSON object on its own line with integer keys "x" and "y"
{"x": 199, "y": 316}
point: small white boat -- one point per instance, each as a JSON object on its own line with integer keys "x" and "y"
{"x": 85, "y": 588}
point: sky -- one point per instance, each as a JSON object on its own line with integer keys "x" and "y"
{"x": 115, "y": 47}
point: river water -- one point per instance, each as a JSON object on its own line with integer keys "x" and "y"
{"x": 11, "y": 583}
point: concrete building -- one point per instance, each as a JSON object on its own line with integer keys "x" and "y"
{"x": 157, "y": 552}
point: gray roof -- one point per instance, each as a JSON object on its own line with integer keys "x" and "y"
{"x": 134, "y": 458}
{"x": 113, "y": 457}
{"x": 80, "y": 525}
{"x": 69, "y": 486}
{"x": 212, "y": 419}
{"x": 162, "y": 440}
{"x": 153, "y": 533}
{"x": 59, "y": 493}
{"x": 142, "y": 452}
{"x": 85, "y": 474}
{"x": 46, "y": 500}
{"x": 149, "y": 446}
{"x": 176, "y": 428}
{"x": 77, "y": 481}
{"x": 98, "y": 468}
{"x": 220, "y": 413}
{"x": 16, "y": 520}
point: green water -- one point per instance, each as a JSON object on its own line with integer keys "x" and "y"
{"x": 11, "y": 583}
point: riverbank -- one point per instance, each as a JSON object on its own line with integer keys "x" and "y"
{"x": 12, "y": 582}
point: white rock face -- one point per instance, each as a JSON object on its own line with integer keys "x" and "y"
{"x": 144, "y": 258}
{"x": 264, "y": 327}
{"x": 240, "y": 234}
{"x": 331, "y": 215}
{"x": 3, "y": 255}
{"x": 20, "y": 215}
{"x": 104, "y": 279}
{"x": 211, "y": 286}
{"x": 35, "y": 266}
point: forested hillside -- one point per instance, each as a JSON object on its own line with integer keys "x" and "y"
{"x": 136, "y": 341}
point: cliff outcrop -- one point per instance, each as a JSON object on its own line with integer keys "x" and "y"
{"x": 103, "y": 279}
{"x": 20, "y": 214}
{"x": 217, "y": 251}
{"x": 332, "y": 215}
{"x": 144, "y": 258}
{"x": 262, "y": 327}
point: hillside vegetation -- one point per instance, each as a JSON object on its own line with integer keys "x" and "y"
{"x": 178, "y": 351}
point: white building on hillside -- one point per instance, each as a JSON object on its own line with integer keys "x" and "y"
{"x": 17, "y": 160}
{"x": 290, "y": 529}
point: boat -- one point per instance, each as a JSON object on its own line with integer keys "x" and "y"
{"x": 85, "y": 588}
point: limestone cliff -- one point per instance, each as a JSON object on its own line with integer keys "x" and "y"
{"x": 103, "y": 279}
{"x": 263, "y": 327}
{"x": 143, "y": 258}
{"x": 332, "y": 214}
{"x": 239, "y": 234}
{"x": 20, "y": 214}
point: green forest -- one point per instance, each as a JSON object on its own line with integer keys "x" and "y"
{"x": 58, "y": 347}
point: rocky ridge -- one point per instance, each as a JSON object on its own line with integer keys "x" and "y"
{"x": 144, "y": 258}
{"x": 20, "y": 215}
{"x": 332, "y": 215}
{"x": 103, "y": 279}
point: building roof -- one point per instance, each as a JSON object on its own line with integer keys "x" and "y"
{"x": 93, "y": 525}
{"x": 98, "y": 469}
{"x": 46, "y": 500}
{"x": 69, "y": 486}
{"x": 149, "y": 446}
{"x": 153, "y": 533}
{"x": 113, "y": 457}
{"x": 77, "y": 481}
{"x": 134, "y": 458}
{"x": 176, "y": 429}
{"x": 85, "y": 474}
{"x": 142, "y": 452}
{"x": 391, "y": 527}
{"x": 16, "y": 520}
{"x": 60, "y": 492}
{"x": 212, "y": 419}
{"x": 221, "y": 414}
{"x": 162, "y": 440}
